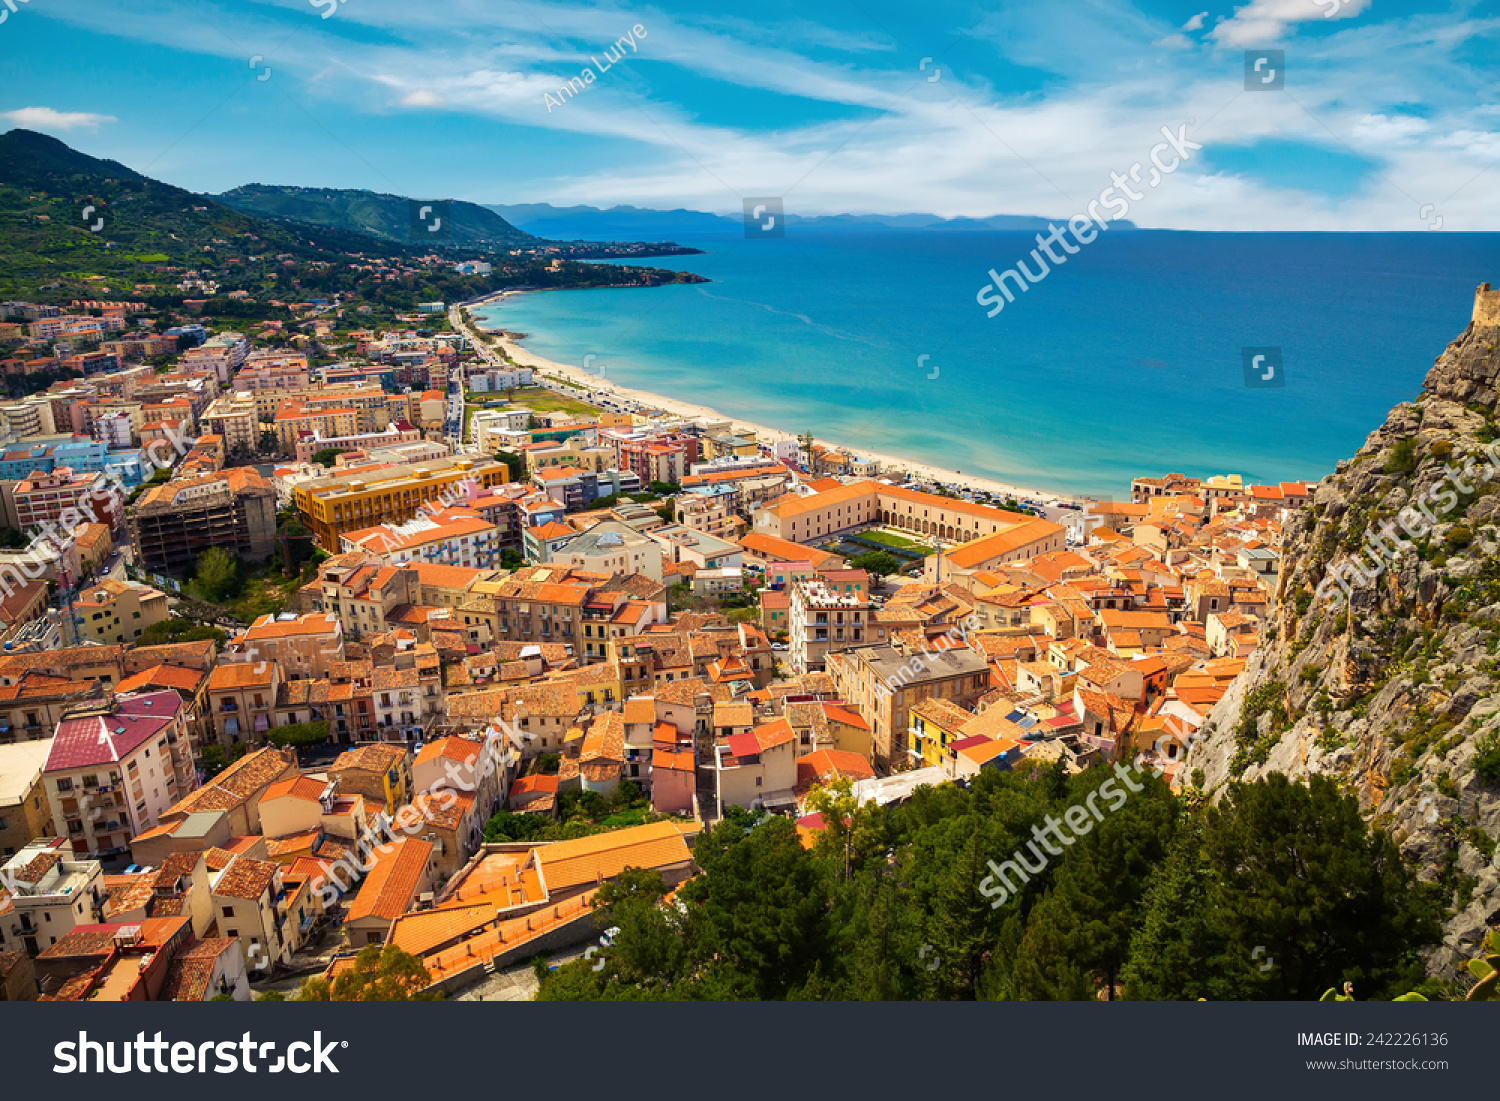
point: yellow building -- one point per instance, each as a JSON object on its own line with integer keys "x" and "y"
{"x": 295, "y": 418}
{"x": 371, "y": 404}
{"x": 333, "y": 506}
{"x": 934, "y": 724}
{"x": 117, "y": 611}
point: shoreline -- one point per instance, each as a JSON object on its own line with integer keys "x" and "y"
{"x": 918, "y": 471}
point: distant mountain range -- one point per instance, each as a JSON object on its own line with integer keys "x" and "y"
{"x": 387, "y": 217}
{"x": 589, "y": 223}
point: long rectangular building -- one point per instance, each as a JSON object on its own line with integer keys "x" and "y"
{"x": 844, "y": 508}
{"x": 334, "y": 506}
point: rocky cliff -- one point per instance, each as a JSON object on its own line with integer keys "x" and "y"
{"x": 1382, "y": 661}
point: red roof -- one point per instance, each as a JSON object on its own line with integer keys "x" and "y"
{"x": 110, "y": 738}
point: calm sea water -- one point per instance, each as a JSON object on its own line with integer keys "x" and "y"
{"x": 1125, "y": 361}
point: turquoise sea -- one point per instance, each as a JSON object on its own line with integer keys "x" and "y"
{"x": 1126, "y": 360}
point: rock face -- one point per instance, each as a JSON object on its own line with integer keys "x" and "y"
{"x": 1381, "y": 666}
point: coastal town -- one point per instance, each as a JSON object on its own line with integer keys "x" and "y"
{"x": 359, "y": 632}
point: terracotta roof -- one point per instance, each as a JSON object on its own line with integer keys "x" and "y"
{"x": 589, "y": 860}
{"x": 374, "y": 757}
{"x": 162, "y": 676}
{"x": 297, "y": 787}
{"x": 246, "y": 878}
{"x": 236, "y": 784}
{"x": 391, "y": 884}
{"x": 825, "y": 764}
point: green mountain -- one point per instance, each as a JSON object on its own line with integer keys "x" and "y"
{"x": 387, "y": 217}
{"x": 95, "y": 228}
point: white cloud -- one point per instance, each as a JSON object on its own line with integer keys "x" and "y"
{"x": 46, "y": 118}
{"x": 1262, "y": 22}
{"x": 1180, "y": 41}
{"x": 882, "y": 139}
{"x": 1386, "y": 129}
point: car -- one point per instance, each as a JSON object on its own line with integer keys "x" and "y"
{"x": 778, "y": 646}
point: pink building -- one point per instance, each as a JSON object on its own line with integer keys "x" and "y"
{"x": 674, "y": 783}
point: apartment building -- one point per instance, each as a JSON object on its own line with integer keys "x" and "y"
{"x": 25, "y": 813}
{"x": 654, "y": 461}
{"x": 297, "y": 420}
{"x": 334, "y": 506}
{"x": 304, "y": 647}
{"x": 255, "y": 902}
{"x": 577, "y": 452}
{"x": 236, "y": 419}
{"x": 362, "y": 592}
{"x": 51, "y": 894}
{"x": 241, "y": 696}
{"x": 380, "y": 772}
{"x": 757, "y": 768}
{"x": 394, "y": 434}
{"x": 882, "y": 684}
{"x": 613, "y": 548}
{"x": 65, "y": 497}
{"x": 443, "y": 536}
{"x": 484, "y": 424}
{"x": 272, "y": 371}
{"x": 117, "y": 611}
{"x": 30, "y": 416}
{"x": 172, "y": 524}
{"x": 745, "y": 485}
{"x": 822, "y": 618}
{"x": 115, "y": 768}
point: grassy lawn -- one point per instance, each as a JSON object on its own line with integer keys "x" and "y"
{"x": 892, "y": 540}
{"x": 545, "y": 401}
{"x": 625, "y": 818}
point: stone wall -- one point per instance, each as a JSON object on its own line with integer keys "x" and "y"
{"x": 1487, "y": 307}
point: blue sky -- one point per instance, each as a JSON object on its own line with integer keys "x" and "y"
{"x": 1389, "y": 118}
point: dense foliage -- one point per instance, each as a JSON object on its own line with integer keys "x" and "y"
{"x": 1157, "y": 900}
{"x": 378, "y": 974}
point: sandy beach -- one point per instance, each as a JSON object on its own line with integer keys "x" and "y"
{"x": 890, "y": 465}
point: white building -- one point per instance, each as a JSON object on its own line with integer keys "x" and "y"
{"x": 50, "y": 895}
{"x": 485, "y": 426}
{"x": 113, "y": 770}
{"x": 490, "y": 379}
{"x": 612, "y": 547}
{"x": 821, "y": 619}
{"x": 447, "y": 537}
{"x": 114, "y": 429}
{"x": 725, "y": 581}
